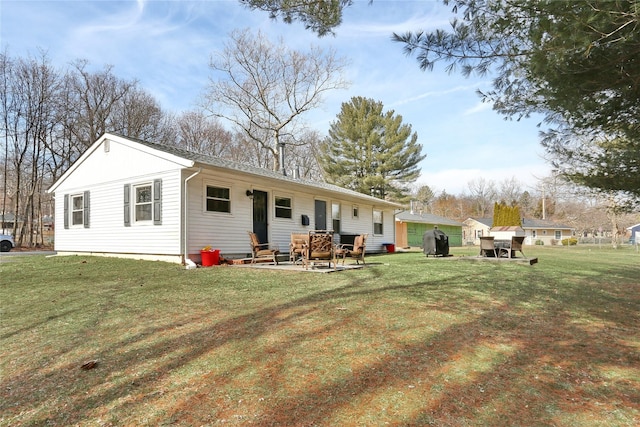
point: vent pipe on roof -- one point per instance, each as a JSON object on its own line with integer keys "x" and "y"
{"x": 281, "y": 158}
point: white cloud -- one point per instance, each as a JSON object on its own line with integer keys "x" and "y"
{"x": 478, "y": 108}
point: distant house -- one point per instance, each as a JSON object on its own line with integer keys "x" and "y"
{"x": 474, "y": 228}
{"x": 506, "y": 232}
{"x": 546, "y": 232}
{"x": 634, "y": 234}
{"x": 7, "y": 222}
{"x": 411, "y": 226}
{"x": 130, "y": 198}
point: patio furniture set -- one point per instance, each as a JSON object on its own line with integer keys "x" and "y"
{"x": 310, "y": 248}
{"x": 490, "y": 247}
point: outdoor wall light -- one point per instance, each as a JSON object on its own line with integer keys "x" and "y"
{"x": 249, "y": 193}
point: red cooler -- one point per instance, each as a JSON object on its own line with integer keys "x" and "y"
{"x": 210, "y": 258}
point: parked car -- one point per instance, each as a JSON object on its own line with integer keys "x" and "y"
{"x": 6, "y": 243}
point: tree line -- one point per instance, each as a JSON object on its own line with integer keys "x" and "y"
{"x": 51, "y": 115}
{"x": 573, "y": 62}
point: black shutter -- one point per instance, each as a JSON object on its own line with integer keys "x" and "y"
{"x": 66, "y": 211}
{"x": 157, "y": 202}
{"x": 127, "y": 205}
{"x": 85, "y": 219}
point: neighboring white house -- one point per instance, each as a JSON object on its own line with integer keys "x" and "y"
{"x": 534, "y": 230}
{"x": 130, "y": 198}
{"x": 634, "y": 234}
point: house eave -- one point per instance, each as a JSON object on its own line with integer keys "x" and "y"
{"x": 181, "y": 161}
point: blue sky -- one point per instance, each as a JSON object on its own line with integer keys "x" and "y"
{"x": 166, "y": 46}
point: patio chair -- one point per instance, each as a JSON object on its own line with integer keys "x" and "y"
{"x": 262, "y": 250}
{"x": 515, "y": 245}
{"x": 355, "y": 251}
{"x": 297, "y": 245}
{"x": 319, "y": 248}
{"x": 487, "y": 246}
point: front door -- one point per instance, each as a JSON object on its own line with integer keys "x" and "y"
{"x": 260, "y": 210}
{"x": 321, "y": 215}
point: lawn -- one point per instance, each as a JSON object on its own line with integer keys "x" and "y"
{"x": 407, "y": 341}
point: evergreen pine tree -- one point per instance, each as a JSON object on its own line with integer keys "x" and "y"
{"x": 371, "y": 151}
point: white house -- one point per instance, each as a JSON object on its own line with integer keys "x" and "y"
{"x": 130, "y": 198}
{"x": 535, "y": 230}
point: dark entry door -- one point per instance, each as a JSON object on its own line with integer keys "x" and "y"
{"x": 321, "y": 215}
{"x": 260, "y": 210}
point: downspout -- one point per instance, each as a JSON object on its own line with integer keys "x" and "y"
{"x": 190, "y": 264}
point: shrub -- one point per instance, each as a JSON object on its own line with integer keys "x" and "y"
{"x": 539, "y": 243}
{"x": 571, "y": 241}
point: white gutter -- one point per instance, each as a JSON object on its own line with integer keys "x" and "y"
{"x": 187, "y": 261}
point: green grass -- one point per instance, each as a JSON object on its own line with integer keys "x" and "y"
{"x": 406, "y": 341}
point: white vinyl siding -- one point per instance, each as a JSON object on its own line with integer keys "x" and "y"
{"x": 105, "y": 174}
{"x": 228, "y": 232}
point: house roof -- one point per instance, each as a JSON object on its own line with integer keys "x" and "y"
{"x": 529, "y": 223}
{"x": 204, "y": 160}
{"x": 484, "y": 221}
{"x": 633, "y": 227}
{"x": 506, "y": 228}
{"x": 541, "y": 223}
{"x": 426, "y": 218}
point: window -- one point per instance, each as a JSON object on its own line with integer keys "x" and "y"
{"x": 335, "y": 217}
{"x": 534, "y": 233}
{"x": 143, "y": 202}
{"x": 77, "y": 209}
{"x": 283, "y": 207}
{"x": 377, "y": 222}
{"x": 218, "y": 199}
{"x": 355, "y": 212}
{"x": 558, "y": 235}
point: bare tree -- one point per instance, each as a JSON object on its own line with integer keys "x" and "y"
{"x": 97, "y": 97}
{"x": 137, "y": 114}
{"x": 6, "y": 105}
{"x": 49, "y": 117}
{"x": 264, "y": 88}
{"x": 303, "y": 157}
{"x": 202, "y": 134}
{"x": 510, "y": 191}
{"x": 30, "y": 93}
{"x": 483, "y": 193}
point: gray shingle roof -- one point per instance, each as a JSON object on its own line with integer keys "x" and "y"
{"x": 426, "y": 218}
{"x": 218, "y": 162}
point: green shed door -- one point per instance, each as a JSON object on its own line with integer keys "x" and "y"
{"x": 414, "y": 233}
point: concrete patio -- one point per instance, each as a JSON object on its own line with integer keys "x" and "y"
{"x": 319, "y": 267}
